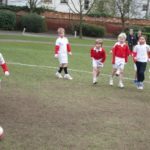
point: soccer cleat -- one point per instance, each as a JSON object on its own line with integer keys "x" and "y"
{"x": 58, "y": 75}
{"x": 121, "y": 85}
{"x": 67, "y": 76}
{"x": 111, "y": 82}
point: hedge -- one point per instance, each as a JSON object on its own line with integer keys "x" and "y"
{"x": 7, "y": 20}
{"x": 90, "y": 30}
{"x": 147, "y": 37}
{"x": 33, "y": 23}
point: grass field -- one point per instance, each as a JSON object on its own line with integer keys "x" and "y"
{"x": 40, "y": 112}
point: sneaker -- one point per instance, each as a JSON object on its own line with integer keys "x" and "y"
{"x": 67, "y": 76}
{"x": 121, "y": 85}
{"x": 94, "y": 81}
{"x": 140, "y": 86}
{"x": 58, "y": 75}
{"x": 111, "y": 82}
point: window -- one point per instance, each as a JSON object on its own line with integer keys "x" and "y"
{"x": 64, "y": 1}
{"x": 86, "y": 4}
{"x": 144, "y": 7}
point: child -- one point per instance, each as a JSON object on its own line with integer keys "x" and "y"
{"x": 62, "y": 49}
{"x": 98, "y": 56}
{"x": 141, "y": 58}
{"x": 120, "y": 53}
{"x": 4, "y": 66}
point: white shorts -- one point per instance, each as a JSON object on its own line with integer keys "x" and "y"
{"x": 97, "y": 63}
{"x": 119, "y": 63}
{"x": 63, "y": 58}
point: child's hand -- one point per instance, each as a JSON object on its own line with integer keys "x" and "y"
{"x": 102, "y": 65}
{"x": 56, "y": 55}
{"x": 7, "y": 73}
{"x": 70, "y": 53}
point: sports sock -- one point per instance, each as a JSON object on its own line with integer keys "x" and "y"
{"x": 60, "y": 69}
{"x": 65, "y": 70}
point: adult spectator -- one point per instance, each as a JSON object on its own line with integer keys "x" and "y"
{"x": 132, "y": 39}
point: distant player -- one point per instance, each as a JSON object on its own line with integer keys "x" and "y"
{"x": 3, "y": 65}
{"x": 120, "y": 53}
{"x": 141, "y": 58}
{"x": 98, "y": 56}
{"x": 62, "y": 49}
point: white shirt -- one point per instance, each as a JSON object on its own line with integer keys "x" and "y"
{"x": 62, "y": 43}
{"x": 142, "y": 52}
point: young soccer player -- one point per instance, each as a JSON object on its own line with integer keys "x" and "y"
{"x": 62, "y": 49}
{"x": 141, "y": 58}
{"x": 4, "y": 66}
{"x": 98, "y": 56}
{"x": 120, "y": 53}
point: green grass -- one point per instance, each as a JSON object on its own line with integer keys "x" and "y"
{"x": 40, "y": 112}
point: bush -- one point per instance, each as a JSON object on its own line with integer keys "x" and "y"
{"x": 100, "y": 14}
{"x": 7, "y": 20}
{"x": 33, "y": 23}
{"x": 14, "y": 8}
{"x": 147, "y": 29}
{"x": 147, "y": 37}
{"x": 90, "y": 30}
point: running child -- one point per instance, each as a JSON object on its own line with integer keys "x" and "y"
{"x": 98, "y": 56}
{"x": 120, "y": 53}
{"x": 141, "y": 58}
{"x": 62, "y": 49}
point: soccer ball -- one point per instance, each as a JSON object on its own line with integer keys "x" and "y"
{"x": 1, "y": 133}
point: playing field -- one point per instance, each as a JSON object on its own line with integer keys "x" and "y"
{"x": 40, "y": 112}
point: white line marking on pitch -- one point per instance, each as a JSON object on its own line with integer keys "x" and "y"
{"x": 51, "y": 67}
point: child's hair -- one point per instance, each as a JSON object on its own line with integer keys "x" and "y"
{"x": 143, "y": 36}
{"x": 99, "y": 41}
{"x": 61, "y": 30}
{"x": 122, "y": 35}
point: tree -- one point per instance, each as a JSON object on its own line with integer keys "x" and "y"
{"x": 84, "y": 8}
{"x": 104, "y": 7}
{"x": 33, "y": 4}
{"x": 147, "y": 10}
{"x": 123, "y": 8}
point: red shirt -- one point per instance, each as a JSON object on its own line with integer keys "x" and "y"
{"x": 120, "y": 50}
{"x": 98, "y": 54}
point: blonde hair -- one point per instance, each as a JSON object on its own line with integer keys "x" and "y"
{"x": 99, "y": 41}
{"x": 61, "y": 30}
{"x": 122, "y": 35}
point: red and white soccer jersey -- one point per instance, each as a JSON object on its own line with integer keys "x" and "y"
{"x": 62, "y": 48}
{"x": 98, "y": 57}
{"x": 3, "y": 65}
{"x": 120, "y": 53}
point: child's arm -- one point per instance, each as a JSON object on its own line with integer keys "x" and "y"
{"x": 3, "y": 65}
{"x": 104, "y": 56}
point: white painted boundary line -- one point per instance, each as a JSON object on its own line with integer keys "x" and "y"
{"x": 74, "y": 70}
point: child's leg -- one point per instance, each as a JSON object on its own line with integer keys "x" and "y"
{"x": 98, "y": 72}
{"x": 65, "y": 68}
{"x": 66, "y": 76}
{"x": 94, "y": 75}
{"x": 60, "y": 68}
{"x": 121, "y": 85}
{"x": 141, "y": 67}
{"x": 112, "y": 75}
{"x": 58, "y": 73}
